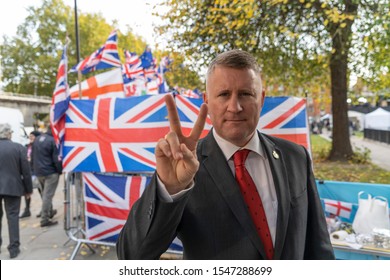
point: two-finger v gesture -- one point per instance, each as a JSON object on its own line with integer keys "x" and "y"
{"x": 176, "y": 154}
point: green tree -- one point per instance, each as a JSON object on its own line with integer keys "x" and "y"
{"x": 298, "y": 42}
{"x": 30, "y": 59}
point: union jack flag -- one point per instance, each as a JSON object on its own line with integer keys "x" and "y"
{"x": 108, "y": 200}
{"x": 105, "y": 57}
{"x": 114, "y": 134}
{"x": 190, "y": 93}
{"x": 188, "y": 110}
{"x": 133, "y": 67}
{"x": 338, "y": 208}
{"x": 60, "y": 100}
{"x": 285, "y": 117}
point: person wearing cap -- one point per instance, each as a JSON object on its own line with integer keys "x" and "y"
{"x": 33, "y": 134}
{"x": 15, "y": 181}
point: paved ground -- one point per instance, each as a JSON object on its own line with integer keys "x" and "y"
{"x": 52, "y": 243}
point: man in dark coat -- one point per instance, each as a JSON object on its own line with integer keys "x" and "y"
{"x": 15, "y": 181}
{"x": 47, "y": 167}
{"x": 219, "y": 204}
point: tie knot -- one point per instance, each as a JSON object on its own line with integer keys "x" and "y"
{"x": 240, "y": 156}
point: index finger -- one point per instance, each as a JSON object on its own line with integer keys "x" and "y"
{"x": 173, "y": 116}
{"x": 199, "y": 124}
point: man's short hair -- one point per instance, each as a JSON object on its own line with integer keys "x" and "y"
{"x": 237, "y": 59}
{"x": 5, "y": 130}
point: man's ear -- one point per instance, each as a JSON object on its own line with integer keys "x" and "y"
{"x": 205, "y": 99}
{"x": 262, "y": 97}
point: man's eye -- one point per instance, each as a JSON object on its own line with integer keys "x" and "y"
{"x": 223, "y": 94}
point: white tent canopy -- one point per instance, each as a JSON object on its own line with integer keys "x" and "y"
{"x": 378, "y": 119}
{"x": 358, "y": 117}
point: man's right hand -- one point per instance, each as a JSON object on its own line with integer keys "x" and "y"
{"x": 176, "y": 158}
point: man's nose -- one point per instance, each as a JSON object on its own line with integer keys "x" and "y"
{"x": 234, "y": 104}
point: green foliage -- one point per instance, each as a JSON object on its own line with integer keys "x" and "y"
{"x": 320, "y": 148}
{"x": 361, "y": 156}
{"x": 300, "y": 44}
{"x": 30, "y": 59}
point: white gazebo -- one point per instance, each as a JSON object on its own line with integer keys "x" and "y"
{"x": 378, "y": 119}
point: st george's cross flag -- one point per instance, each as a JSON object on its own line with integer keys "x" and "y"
{"x": 338, "y": 208}
{"x": 285, "y": 117}
{"x": 114, "y": 134}
{"x": 107, "y": 84}
{"x": 108, "y": 200}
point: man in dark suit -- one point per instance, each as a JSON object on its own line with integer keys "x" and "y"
{"x": 200, "y": 191}
{"x": 15, "y": 181}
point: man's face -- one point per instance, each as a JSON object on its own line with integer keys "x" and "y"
{"x": 235, "y": 99}
{"x": 31, "y": 137}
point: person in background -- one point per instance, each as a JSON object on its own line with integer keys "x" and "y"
{"x": 15, "y": 181}
{"x": 235, "y": 194}
{"x": 47, "y": 167}
{"x": 32, "y": 136}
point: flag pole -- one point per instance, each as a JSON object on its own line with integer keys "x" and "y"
{"x": 77, "y": 45}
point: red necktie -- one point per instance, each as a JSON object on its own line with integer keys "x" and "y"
{"x": 253, "y": 201}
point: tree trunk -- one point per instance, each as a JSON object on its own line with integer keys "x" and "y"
{"x": 341, "y": 42}
{"x": 341, "y": 145}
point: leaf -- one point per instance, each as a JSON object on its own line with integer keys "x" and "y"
{"x": 326, "y": 22}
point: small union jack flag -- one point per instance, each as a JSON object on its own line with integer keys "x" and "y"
{"x": 108, "y": 200}
{"x": 133, "y": 67}
{"x": 105, "y": 57}
{"x": 60, "y": 100}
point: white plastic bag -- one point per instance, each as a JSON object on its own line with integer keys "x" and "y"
{"x": 373, "y": 212}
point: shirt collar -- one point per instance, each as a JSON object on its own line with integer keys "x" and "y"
{"x": 228, "y": 149}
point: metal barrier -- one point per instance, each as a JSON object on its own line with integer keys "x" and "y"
{"x": 377, "y": 135}
{"x": 74, "y": 218}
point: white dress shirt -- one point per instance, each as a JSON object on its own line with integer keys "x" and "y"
{"x": 258, "y": 167}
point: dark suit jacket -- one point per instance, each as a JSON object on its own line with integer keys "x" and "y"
{"x": 15, "y": 174}
{"x": 212, "y": 219}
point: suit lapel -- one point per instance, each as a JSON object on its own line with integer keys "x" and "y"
{"x": 279, "y": 175}
{"x": 219, "y": 171}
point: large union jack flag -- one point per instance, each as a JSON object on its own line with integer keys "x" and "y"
{"x": 188, "y": 109}
{"x": 285, "y": 117}
{"x": 114, "y": 134}
{"x": 108, "y": 200}
{"x": 120, "y": 134}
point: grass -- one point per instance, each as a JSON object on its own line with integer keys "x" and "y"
{"x": 343, "y": 171}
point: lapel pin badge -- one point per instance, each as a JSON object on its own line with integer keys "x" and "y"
{"x": 275, "y": 155}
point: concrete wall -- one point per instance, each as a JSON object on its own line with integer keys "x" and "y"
{"x": 29, "y": 105}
